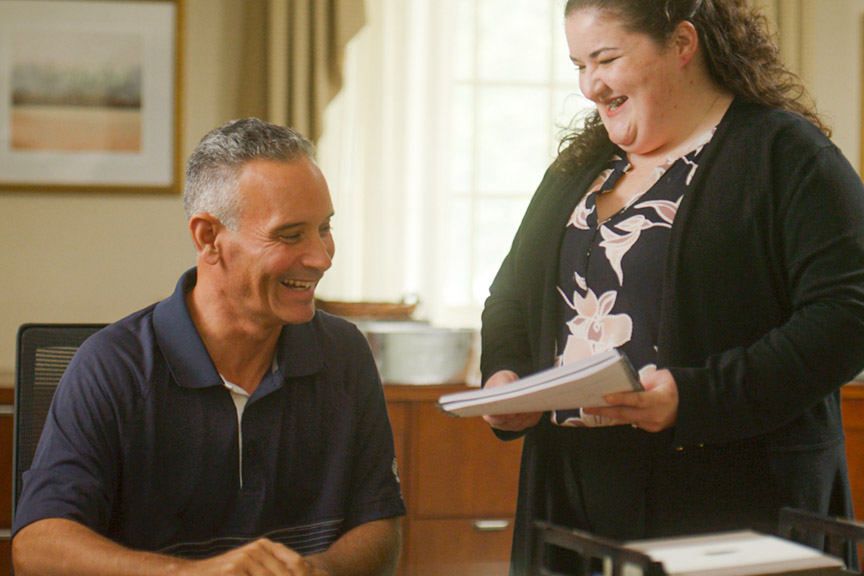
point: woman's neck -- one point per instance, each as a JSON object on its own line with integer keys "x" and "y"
{"x": 702, "y": 119}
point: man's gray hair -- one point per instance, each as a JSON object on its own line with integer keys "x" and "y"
{"x": 214, "y": 166}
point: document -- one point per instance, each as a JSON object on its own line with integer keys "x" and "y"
{"x": 743, "y": 553}
{"x": 578, "y": 384}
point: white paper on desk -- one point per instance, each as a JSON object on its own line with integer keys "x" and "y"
{"x": 574, "y": 385}
{"x": 743, "y": 553}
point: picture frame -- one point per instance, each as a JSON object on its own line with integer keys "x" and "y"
{"x": 90, "y": 96}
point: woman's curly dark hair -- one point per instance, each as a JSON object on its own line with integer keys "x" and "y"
{"x": 738, "y": 49}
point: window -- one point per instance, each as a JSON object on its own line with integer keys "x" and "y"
{"x": 450, "y": 114}
{"x": 512, "y": 87}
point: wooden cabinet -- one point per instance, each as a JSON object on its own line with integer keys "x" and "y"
{"x": 459, "y": 482}
{"x": 7, "y": 398}
{"x": 853, "y": 426}
{"x": 458, "y": 548}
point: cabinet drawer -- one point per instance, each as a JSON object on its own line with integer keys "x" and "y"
{"x": 461, "y": 469}
{"x": 7, "y": 431}
{"x": 853, "y": 406}
{"x": 461, "y": 547}
{"x": 5, "y": 557}
{"x": 853, "y": 426}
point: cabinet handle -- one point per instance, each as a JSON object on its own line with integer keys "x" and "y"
{"x": 491, "y": 525}
{"x": 5, "y": 534}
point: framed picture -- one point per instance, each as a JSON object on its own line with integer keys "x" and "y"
{"x": 89, "y": 95}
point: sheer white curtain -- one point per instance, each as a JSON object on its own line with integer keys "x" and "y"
{"x": 447, "y": 119}
{"x": 379, "y": 152}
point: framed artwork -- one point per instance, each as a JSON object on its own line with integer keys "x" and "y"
{"x": 89, "y": 95}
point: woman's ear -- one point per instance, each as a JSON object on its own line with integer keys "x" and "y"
{"x": 685, "y": 42}
{"x": 205, "y": 229}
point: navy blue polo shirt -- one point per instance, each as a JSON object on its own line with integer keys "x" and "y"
{"x": 141, "y": 443}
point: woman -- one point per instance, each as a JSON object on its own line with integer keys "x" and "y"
{"x": 702, "y": 222}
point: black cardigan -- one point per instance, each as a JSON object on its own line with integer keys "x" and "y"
{"x": 763, "y": 301}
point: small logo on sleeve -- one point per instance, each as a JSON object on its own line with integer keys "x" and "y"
{"x": 395, "y": 469}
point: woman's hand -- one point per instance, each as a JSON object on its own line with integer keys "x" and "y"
{"x": 509, "y": 422}
{"x": 653, "y": 410}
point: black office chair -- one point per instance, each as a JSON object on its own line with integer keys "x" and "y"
{"x": 44, "y": 351}
{"x": 592, "y": 552}
{"x": 838, "y": 537}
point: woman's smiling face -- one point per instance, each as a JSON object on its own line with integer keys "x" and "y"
{"x": 634, "y": 81}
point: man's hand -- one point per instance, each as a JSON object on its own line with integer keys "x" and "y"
{"x": 653, "y": 410}
{"x": 259, "y": 558}
{"x": 509, "y": 422}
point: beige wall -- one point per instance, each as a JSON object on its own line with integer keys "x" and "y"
{"x": 831, "y": 49}
{"x": 95, "y": 258}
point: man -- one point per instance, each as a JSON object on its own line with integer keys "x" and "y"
{"x": 228, "y": 429}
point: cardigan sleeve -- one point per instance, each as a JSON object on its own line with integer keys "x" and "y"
{"x": 518, "y": 329}
{"x": 519, "y": 318}
{"x": 780, "y": 337}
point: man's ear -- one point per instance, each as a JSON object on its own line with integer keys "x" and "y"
{"x": 205, "y": 229}
{"x": 686, "y": 42}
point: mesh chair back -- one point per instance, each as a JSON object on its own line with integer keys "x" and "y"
{"x": 44, "y": 351}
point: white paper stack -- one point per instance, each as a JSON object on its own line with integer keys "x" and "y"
{"x": 743, "y": 553}
{"x": 578, "y": 384}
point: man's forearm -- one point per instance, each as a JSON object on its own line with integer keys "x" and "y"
{"x": 371, "y": 549}
{"x": 57, "y": 547}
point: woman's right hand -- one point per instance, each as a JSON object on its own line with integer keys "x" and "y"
{"x": 509, "y": 422}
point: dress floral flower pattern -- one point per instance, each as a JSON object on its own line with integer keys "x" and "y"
{"x": 617, "y": 245}
{"x": 608, "y": 279}
{"x": 594, "y": 329}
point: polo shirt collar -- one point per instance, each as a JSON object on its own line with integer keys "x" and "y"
{"x": 298, "y": 352}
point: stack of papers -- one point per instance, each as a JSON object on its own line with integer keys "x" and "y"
{"x": 578, "y": 384}
{"x": 744, "y": 553}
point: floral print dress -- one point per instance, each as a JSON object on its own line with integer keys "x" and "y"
{"x": 610, "y": 272}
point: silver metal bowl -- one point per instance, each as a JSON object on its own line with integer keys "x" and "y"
{"x": 417, "y": 353}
